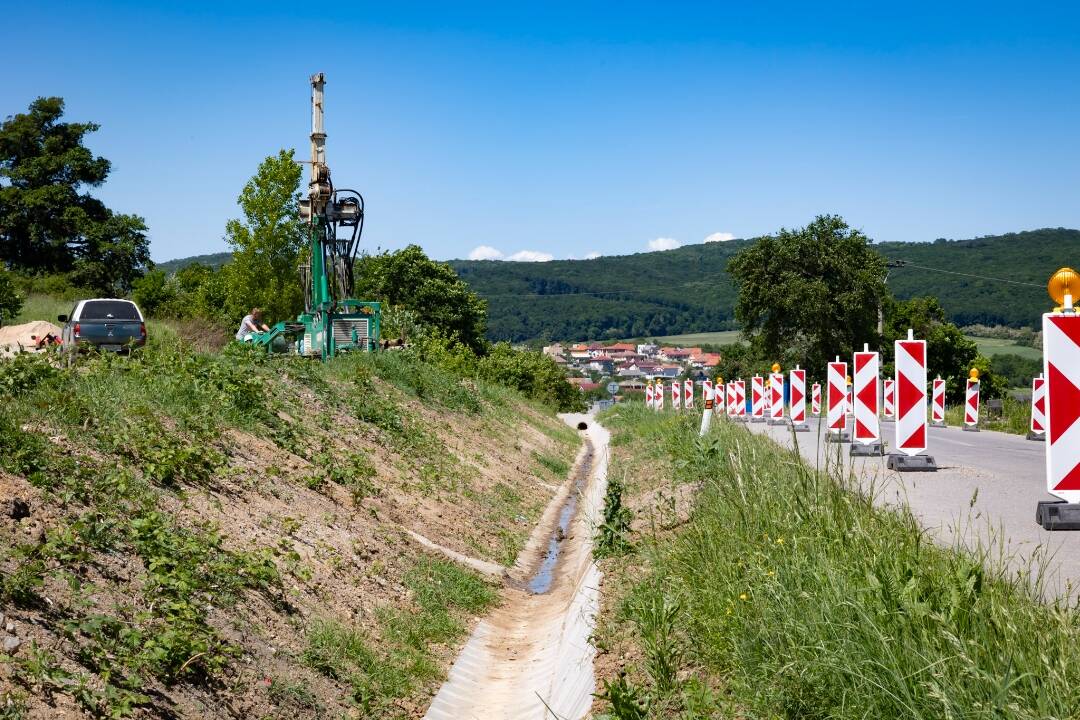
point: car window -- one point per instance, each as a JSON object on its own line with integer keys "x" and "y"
{"x": 109, "y": 310}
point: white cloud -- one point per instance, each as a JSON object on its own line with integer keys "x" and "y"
{"x": 485, "y": 252}
{"x": 531, "y": 256}
{"x": 664, "y": 244}
{"x": 719, "y": 237}
{"x": 592, "y": 255}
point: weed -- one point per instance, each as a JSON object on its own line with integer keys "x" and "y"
{"x": 611, "y": 538}
{"x": 558, "y": 467}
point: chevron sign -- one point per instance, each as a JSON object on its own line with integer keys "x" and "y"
{"x": 1061, "y": 369}
{"x": 1038, "y": 405}
{"x": 837, "y": 397}
{"x": 757, "y": 396}
{"x": 776, "y": 396}
{"x": 740, "y": 398}
{"x": 910, "y": 386}
{"x": 798, "y": 396}
{"x": 676, "y": 395}
{"x": 937, "y": 408}
{"x": 971, "y": 403}
{"x": 888, "y": 401}
{"x": 865, "y": 396}
{"x": 815, "y": 399}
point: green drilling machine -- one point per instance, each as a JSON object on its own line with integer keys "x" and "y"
{"x": 333, "y": 321}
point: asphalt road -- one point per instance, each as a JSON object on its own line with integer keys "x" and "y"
{"x": 984, "y": 493}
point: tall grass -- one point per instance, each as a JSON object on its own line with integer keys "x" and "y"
{"x": 1015, "y": 416}
{"x": 806, "y": 601}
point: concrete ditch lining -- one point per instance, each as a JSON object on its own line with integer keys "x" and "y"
{"x": 531, "y": 658}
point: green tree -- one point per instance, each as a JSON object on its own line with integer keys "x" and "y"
{"x": 10, "y": 300}
{"x": 431, "y": 290}
{"x": 268, "y": 242}
{"x": 949, "y": 354}
{"x": 153, "y": 293}
{"x": 806, "y": 295}
{"x": 48, "y": 222}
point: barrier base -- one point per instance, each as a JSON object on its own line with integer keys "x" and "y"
{"x": 1037, "y": 436}
{"x": 777, "y": 421}
{"x": 1058, "y": 515}
{"x": 838, "y": 437}
{"x": 860, "y": 450}
{"x": 911, "y": 463}
{"x": 800, "y": 427}
{"x": 971, "y": 428}
{"x": 938, "y": 423}
{"x": 757, "y": 419}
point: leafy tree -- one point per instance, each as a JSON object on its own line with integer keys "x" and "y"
{"x": 153, "y": 292}
{"x": 431, "y": 290}
{"x": 806, "y": 295}
{"x": 533, "y": 373}
{"x": 268, "y": 243}
{"x": 1015, "y": 370}
{"x": 48, "y": 222}
{"x": 949, "y": 354}
{"x": 10, "y": 300}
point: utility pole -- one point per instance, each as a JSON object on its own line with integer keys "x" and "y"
{"x": 889, "y": 264}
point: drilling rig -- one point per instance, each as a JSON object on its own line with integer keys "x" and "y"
{"x": 333, "y": 321}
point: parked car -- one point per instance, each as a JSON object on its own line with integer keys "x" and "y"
{"x": 107, "y": 324}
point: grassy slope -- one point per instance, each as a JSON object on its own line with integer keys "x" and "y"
{"x": 220, "y": 536}
{"x": 1001, "y": 346}
{"x": 782, "y": 595}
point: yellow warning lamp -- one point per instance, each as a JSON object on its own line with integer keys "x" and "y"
{"x": 848, "y": 379}
{"x": 974, "y": 374}
{"x": 776, "y": 367}
{"x": 719, "y": 380}
{"x": 1061, "y": 287}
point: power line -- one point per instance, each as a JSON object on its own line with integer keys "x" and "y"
{"x": 971, "y": 275}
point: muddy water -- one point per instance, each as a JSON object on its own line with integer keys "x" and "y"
{"x": 541, "y": 580}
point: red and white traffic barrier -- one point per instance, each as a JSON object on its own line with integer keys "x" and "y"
{"x": 1038, "y": 409}
{"x": 797, "y": 399}
{"x": 676, "y": 395}
{"x": 836, "y": 382}
{"x": 937, "y": 404}
{"x": 729, "y": 399}
{"x": 815, "y": 399}
{"x": 706, "y": 390}
{"x": 658, "y": 396}
{"x": 757, "y": 399}
{"x": 849, "y": 405}
{"x": 648, "y": 396}
{"x": 688, "y": 394}
{"x": 971, "y": 402}
{"x": 740, "y": 399}
{"x": 887, "y": 401}
{"x": 910, "y": 356}
{"x": 866, "y": 431}
{"x": 1061, "y": 368}
{"x": 776, "y": 397}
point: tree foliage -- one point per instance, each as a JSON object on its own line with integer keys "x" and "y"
{"x": 808, "y": 294}
{"x": 49, "y": 223}
{"x": 268, "y": 242}
{"x": 11, "y": 301}
{"x": 409, "y": 279}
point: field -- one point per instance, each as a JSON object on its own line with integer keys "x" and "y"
{"x": 1001, "y": 346}
{"x": 723, "y": 337}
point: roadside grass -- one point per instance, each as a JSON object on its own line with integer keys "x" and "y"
{"x": 798, "y": 598}
{"x": 1015, "y": 416}
{"x": 41, "y": 307}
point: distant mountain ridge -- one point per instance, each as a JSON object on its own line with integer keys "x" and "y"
{"x": 688, "y": 289}
{"x": 213, "y": 260}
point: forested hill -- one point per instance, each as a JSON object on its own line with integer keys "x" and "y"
{"x": 213, "y": 260}
{"x": 657, "y": 293}
{"x": 687, "y": 289}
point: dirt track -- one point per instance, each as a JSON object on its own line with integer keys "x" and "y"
{"x": 531, "y": 658}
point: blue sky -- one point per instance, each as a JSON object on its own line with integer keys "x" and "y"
{"x": 568, "y": 129}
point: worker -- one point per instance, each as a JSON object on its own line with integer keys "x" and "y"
{"x": 252, "y": 323}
